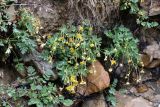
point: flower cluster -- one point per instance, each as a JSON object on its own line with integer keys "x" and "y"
{"x": 74, "y": 48}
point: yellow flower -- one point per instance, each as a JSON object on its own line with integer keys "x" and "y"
{"x": 70, "y": 40}
{"x": 82, "y": 82}
{"x": 66, "y": 43}
{"x": 81, "y": 29}
{"x": 69, "y": 62}
{"x": 73, "y": 79}
{"x": 113, "y": 62}
{"x": 129, "y": 61}
{"x": 72, "y": 50}
{"x": 88, "y": 58}
{"x": 71, "y": 88}
{"x": 49, "y": 36}
{"x": 94, "y": 60}
{"x": 61, "y": 39}
{"x": 79, "y": 36}
{"x": 92, "y": 45}
{"x": 82, "y": 62}
{"x": 77, "y": 45}
{"x": 90, "y": 29}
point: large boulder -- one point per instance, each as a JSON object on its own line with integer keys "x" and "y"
{"x": 97, "y": 80}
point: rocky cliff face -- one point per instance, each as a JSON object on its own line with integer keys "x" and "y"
{"x": 55, "y": 13}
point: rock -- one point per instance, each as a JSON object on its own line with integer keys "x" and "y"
{"x": 12, "y": 13}
{"x": 128, "y": 101}
{"x": 152, "y": 7}
{"x": 153, "y": 50}
{"x": 145, "y": 5}
{"x": 54, "y": 13}
{"x": 149, "y": 62}
{"x": 97, "y": 80}
{"x": 146, "y": 59}
{"x": 50, "y": 12}
{"x": 152, "y": 57}
{"x": 98, "y": 101}
{"x": 141, "y": 88}
{"x": 138, "y": 102}
{"x": 155, "y": 63}
{"x": 155, "y": 98}
{"x": 7, "y": 75}
{"x": 122, "y": 99}
{"x": 42, "y": 66}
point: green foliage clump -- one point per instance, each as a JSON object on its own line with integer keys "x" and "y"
{"x": 39, "y": 92}
{"x": 18, "y": 31}
{"x": 124, "y": 49}
{"x": 111, "y": 93}
{"x": 74, "y": 48}
{"x": 142, "y": 18}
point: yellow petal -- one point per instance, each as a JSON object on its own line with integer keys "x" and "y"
{"x": 71, "y": 88}
{"x": 113, "y": 62}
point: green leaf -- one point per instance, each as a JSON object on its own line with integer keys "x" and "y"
{"x": 67, "y": 102}
{"x": 1, "y": 43}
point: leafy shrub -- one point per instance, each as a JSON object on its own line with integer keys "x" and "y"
{"x": 124, "y": 49}
{"x": 142, "y": 18}
{"x": 17, "y": 37}
{"x": 111, "y": 93}
{"x": 17, "y": 33}
{"x": 40, "y": 92}
{"x": 74, "y": 48}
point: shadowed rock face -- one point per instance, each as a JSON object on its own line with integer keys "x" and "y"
{"x": 51, "y": 12}
{"x": 98, "y": 101}
{"x": 151, "y": 6}
{"x": 7, "y": 75}
{"x": 154, "y": 8}
{"x": 55, "y": 13}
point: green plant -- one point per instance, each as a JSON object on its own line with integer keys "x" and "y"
{"x": 40, "y": 92}
{"x": 142, "y": 18}
{"x": 111, "y": 93}
{"x": 17, "y": 36}
{"x": 74, "y": 49}
{"x": 18, "y": 31}
{"x": 123, "y": 50}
